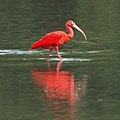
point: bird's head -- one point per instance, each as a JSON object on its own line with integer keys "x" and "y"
{"x": 70, "y": 23}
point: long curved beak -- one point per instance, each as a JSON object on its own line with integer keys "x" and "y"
{"x": 76, "y": 27}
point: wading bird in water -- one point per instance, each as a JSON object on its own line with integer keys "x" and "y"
{"x": 55, "y": 39}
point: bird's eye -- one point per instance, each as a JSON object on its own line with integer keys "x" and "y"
{"x": 72, "y": 23}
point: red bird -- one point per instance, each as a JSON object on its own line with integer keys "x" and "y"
{"x": 54, "y": 39}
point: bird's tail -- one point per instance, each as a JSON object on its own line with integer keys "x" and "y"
{"x": 36, "y": 45}
{"x": 33, "y": 47}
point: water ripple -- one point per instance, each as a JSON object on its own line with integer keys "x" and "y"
{"x": 67, "y": 59}
{"x": 18, "y": 52}
{"x": 21, "y": 52}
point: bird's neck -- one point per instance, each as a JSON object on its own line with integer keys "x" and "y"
{"x": 70, "y": 32}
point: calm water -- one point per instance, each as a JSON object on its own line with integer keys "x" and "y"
{"x": 85, "y": 86}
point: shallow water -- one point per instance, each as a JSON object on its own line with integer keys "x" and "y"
{"x": 85, "y": 86}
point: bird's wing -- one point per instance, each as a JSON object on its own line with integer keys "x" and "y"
{"x": 51, "y": 39}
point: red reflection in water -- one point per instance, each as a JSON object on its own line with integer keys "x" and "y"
{"x": 57, "y": 84}
{"x": 59, "y": 88}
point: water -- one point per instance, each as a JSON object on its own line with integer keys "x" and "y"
{"x": 85, "y": 86}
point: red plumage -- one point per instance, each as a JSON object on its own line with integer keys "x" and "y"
{"x": 51, "y": 40}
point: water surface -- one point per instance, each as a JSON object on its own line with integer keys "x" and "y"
{"x": 85, "y": 86}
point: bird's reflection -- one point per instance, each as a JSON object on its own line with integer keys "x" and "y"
{"x": 58, "y": 86}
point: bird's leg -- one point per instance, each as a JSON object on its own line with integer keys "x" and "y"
{"x": 56, "y": 48}
{"x": 49, "y": 66}
{"x": 59, "y": 64}
{"x": 48, "y": 57}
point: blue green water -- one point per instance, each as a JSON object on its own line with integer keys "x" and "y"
{"x": 85, "y": 86}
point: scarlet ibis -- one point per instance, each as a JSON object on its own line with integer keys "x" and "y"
{"x": 54, "y": 39}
